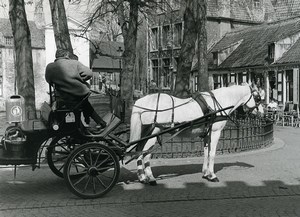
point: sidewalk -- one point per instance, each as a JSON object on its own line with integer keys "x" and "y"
{"x": 259, "y": 183}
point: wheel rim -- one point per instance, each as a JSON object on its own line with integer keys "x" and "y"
{"x": 92, "y": 171}
{"x": 58, "y": 152}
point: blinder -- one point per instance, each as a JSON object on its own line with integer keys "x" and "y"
{"x": 257, "y": 99}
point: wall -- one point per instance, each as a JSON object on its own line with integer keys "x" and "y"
{"x": 7, "y": 64}
{"x": 8, "y": 72}
{"x": 80, "y": 47}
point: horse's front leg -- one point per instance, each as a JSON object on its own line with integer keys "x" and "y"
{"x": 144, "y": 171}
{"x": 209, "y": 156}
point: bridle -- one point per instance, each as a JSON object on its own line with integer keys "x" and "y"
{"x": 256, "y": 97}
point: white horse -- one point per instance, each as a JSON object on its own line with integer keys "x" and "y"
{"x": 159, "y": 110}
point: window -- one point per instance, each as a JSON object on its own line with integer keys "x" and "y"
{"x": 289, "y": 85}
{"x": 196, "y": 83}
{"x": 155, "y": 71}
{"x": 232, "y": 78}
{"x": 242, "y": 77}
{"x": 175, "y": 67}
{"x": 225, "y": 80}
{"x": 217, "y": 81}
{"x": 154, "y": 38}
{"x": 1, "y": 85}
{"x": 271, "y": 52}
{"x": 9, "y": 40}
{"x": 166, "y": 77}
{"x": 166, "y": 36}
{"x": 272, "y": 83}
{"x": 256, "y": 3}
{"x": 215, "y": 58}
{"x": 279, "y": 86}
{"x": 177, "y": 34}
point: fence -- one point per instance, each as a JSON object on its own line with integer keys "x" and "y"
{"x": 251, "y": 133}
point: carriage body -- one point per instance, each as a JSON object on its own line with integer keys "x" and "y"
{"x": 23, "y": 140}
{"x": 61, "y": 131}
{"x": 21, "y": 143}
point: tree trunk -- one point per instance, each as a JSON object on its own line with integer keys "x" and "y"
{"x": 129, "y": 32}
{"x": 203, "y": 81}
{"x": 187, "y": 51}
{"x": 22, "y": 46}
{"x": 60, "y": 25}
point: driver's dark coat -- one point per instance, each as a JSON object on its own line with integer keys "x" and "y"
{"x": 69, "y": 77}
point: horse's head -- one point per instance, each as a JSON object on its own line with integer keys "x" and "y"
{"x": 253, "y": 104}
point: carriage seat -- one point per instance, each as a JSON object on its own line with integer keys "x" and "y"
{"x": 63, "y": 117}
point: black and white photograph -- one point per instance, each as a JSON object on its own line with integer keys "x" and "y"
{"x": 153, "y": 108}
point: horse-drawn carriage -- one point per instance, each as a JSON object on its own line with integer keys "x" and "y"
{"x": 90, "y": 163}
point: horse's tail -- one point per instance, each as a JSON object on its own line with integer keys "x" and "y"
{"x": 135, "y": 126}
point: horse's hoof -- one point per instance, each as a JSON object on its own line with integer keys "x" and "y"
{"x": 144, "y": 181}
{"x": 214, "y": 179}
{"x": 153, "y": 183}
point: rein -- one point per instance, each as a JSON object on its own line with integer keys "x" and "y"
{"x": 218, "y": 106}
{"x": 256, "y": 100}
{"x": 162, "y": 110}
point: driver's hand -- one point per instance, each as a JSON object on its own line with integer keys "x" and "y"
{"x": 84, "y": 76}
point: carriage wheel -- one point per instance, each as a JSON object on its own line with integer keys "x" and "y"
{"x": 91, "y": 170}
{"x": 58, "y": 152}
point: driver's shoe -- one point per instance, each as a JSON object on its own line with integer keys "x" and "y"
{"x": 98, "y": 129}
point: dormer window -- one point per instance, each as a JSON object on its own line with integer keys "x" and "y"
{"x": 256, "y": 3}
{"x": 215, "y": 58}
{"x": 271, "y": 52}
{"x": 9, "y": 40}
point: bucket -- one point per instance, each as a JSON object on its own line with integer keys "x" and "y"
{"x": 14, "y": 142}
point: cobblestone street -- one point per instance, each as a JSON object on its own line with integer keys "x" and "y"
{"x": 258, "y": 183}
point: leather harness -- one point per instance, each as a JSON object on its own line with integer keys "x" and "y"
{"x": 198, "y": 97}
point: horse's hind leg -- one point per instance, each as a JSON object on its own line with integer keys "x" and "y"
{"x": 205, "y": 162}
{"x": 148, "y": 172}
{"x": 140, "y": 170}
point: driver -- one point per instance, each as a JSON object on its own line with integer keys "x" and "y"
{"x": 70, "y": 78}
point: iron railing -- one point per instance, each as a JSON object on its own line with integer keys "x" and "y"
{"x": 250, "y": 133}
